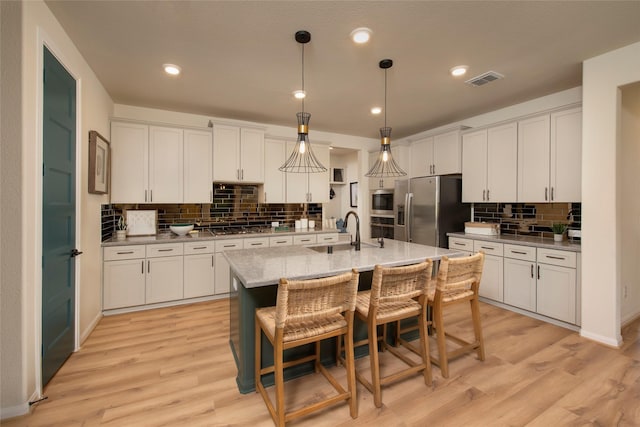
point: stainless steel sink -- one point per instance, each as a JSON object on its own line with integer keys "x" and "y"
{"x": 339, "y": 247}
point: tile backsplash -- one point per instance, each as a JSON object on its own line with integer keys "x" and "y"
{"x": 233, "y": 206}
{"x": 532, "y": 219}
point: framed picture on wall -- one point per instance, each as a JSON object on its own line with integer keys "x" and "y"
{"x": 99, "y": 163}
{"x": 354, "y": 194}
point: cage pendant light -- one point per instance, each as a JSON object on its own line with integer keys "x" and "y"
{"x": 302, "y": 159}
{"x": 385, "y": 166}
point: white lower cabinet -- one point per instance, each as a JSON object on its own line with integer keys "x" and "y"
{"x": 556, "y": 292}
{"x": 165, "y": 281}
{"x": 223, "y": 278}
{"x": 124, "y": 283}
{"x": 199, "y": 269}
{"x": 491, "y": 284}
{"x": 520, "y": 276}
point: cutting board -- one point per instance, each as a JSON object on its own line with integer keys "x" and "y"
{"x": 141, "y": 223}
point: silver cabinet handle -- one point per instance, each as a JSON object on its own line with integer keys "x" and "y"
{"x": 484, "y": 192}
{"x": 142, "y": 267}
{"x": 555, "y": 257}
{"x": 242, "y": 174}
{"x": 538, "y": 272}
{"x": 148, "y": 266}
{"x": 124, "y": 253}
{"x": 519, "y": 252}
{"x": 281, "y": 241}
{"x": 229, "y": 246}
{"x": 212, "y": 261}
{"x": 265, "y": 197}
{"x": 532, "y": 271}
{"x": 165, "y": 250}
{"x": 546, "y": 193}
{"x": 464, "y": 245}
{"x": 488, "y": 195}
{"x": 200, "y": 247}
{"x": 487, "y": 248}
{"x": 151, "y": 195}
{"x": 434, "y": 170}
{"x": 256, "y": 244}
{"x": 552, "y": 194}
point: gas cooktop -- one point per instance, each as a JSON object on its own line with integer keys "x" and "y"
{"x": 240, "y": 230}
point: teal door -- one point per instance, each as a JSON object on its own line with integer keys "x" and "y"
{"x": 58, "y": 216}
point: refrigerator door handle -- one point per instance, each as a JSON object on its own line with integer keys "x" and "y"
{"x": 408, "y": 212}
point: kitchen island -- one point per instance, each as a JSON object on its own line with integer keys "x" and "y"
{"x": 254, "y": 282}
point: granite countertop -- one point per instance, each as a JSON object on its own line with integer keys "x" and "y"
{"x": 263, "y": 267}
{"x": 169, "y": 237}
{"x": 539, "y": 242}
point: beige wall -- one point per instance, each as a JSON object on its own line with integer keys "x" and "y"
{"x": 630, "y": 202}
{"x": 601, "y": 242}
{"x": 21, "y": 378}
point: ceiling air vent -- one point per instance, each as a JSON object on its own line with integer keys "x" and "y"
{"x": 485, "y": 78}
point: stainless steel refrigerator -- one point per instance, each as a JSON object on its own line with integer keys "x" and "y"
{"x": 427, "y": 208}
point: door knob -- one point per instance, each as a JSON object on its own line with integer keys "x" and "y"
{"x": 75, "y": 253}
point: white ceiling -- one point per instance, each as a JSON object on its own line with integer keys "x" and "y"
{"x": 240, "y": 60}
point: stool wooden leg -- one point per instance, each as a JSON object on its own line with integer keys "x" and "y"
{"x": 424, "y": 341}
{"x": 258, "y": 352}
{"x": 279, "y": 377}
{"x": 351, "y": 372}
{"x": 375, "y": 367}
{"x": 477, "y": 327}
{"x": 442, "y": 344}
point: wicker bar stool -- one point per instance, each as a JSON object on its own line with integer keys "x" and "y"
{"x": 396, "y": 293}
{"x": 457, "y": 282}
{"x": 307, "y": 311}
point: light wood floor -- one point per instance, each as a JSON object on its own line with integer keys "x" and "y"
{"x": 173, "y": 367}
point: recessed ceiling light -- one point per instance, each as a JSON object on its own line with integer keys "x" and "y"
{"x": 299, "y": 94}
{"x": 376, "y": 110}
{"x": 361, "y": 35}
{"x": 172, "y": 69}
{"x": 459, "y": 70}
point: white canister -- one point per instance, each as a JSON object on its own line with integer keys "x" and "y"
{"x": 312, "y": 224}
{"x": 304, "y": 223}
{"x": 298, "y": 225}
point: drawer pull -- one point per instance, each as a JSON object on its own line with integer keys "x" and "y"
{"x": 165, "y": 250}
{"x": 460, "y": 244}
{"x": 305, "y": 240}
{"x": 555, "y": 257}
{"x": 519, "y": 252}
{"x": 281, "y": 241}
{"x": 200, "y": 247}
{"x": 487, "y": 248}
{"x": 256, "y": 244}
{"x": 124, "y": 253}
{"x": 229, "y": 246}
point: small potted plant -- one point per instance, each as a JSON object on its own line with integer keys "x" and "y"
{"x": 558, "y": 231}
{"x": 121, "y": 229}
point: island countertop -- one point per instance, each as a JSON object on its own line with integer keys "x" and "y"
{"x": 263, "y": 267}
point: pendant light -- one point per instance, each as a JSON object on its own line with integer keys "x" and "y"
{"x": 385, "y": 166}
{"x": 302, "y": 158}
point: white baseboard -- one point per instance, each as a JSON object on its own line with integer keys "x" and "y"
{"x": 616, "y": 343}
{"x": 17, "y": 410}
{"x": 629, "y": 318}
{"x": 90, "y": 328}
{"x": 110, "y": 312}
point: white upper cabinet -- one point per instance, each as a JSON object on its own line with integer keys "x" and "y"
{"x": 489, "y": 164}
{"x": 129, "y": 162}
{"x": 437, "y": 155}
{"x": 549, "y": 157}
{"x": 166, "y": 165}
{"x": 238, "y": 154}
{"x": 198, "y": 166}
{"x": 158, "y": 164}
{"x": 275, "y": 152}
{"x": 309, "y": 187}
{"x": 566, "y": 156}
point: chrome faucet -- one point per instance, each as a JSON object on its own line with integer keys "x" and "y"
{"x": 346, "y": 219}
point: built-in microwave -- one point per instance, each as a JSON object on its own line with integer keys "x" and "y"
{"x": 382, "y": 202}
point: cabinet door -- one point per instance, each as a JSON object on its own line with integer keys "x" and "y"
{"x": 223, "y": 276}
{"x": 199, "y": 275}
{"x": 447, "y": 157}
{"x": 319, "y": 181}
{"x": 566, "y": 155}
{"x": 422, "y": 158}
{"x": 226, "y": 153}
{"x": 533, "y": 160}
{"x": 556, "y": 292}
{"x": 502, "y": 163}
{"x": 491, "y": 283}
{"x": 474, "y": 166}
{"x": 166, "y": 165}
{"x": 252, "y": 155}
{"x": 198, "y": 164}
{"x": 124, "y": 283}
{"x": 520, "y": 283}
{"x": 129, "y": 162}
{"x": 164, "y": 279}
{"x": 274, "y": 179}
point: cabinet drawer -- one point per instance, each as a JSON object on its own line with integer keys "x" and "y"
{"x": 556, "y": 257}
{"x": 327, "y": 238}
{"x": 164, "y": 249}
{"x": 525, "y": 253}
{"x": 281, "y": 241}
{"x": 114, "y": 253}
{"x": 192, "y": 248}
{"x": 461, "y": 244}
{"x": 256, "y": 242}
{"x": 305, "y": 239}
{"x": 228, "y": 244}
{"x": 489, "y": 248}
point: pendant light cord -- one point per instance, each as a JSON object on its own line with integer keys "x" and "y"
{"x": 385, "y": 97}
{"x": 304, "y": 93}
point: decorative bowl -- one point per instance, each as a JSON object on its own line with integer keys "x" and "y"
{"x": 181, "y": 229}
